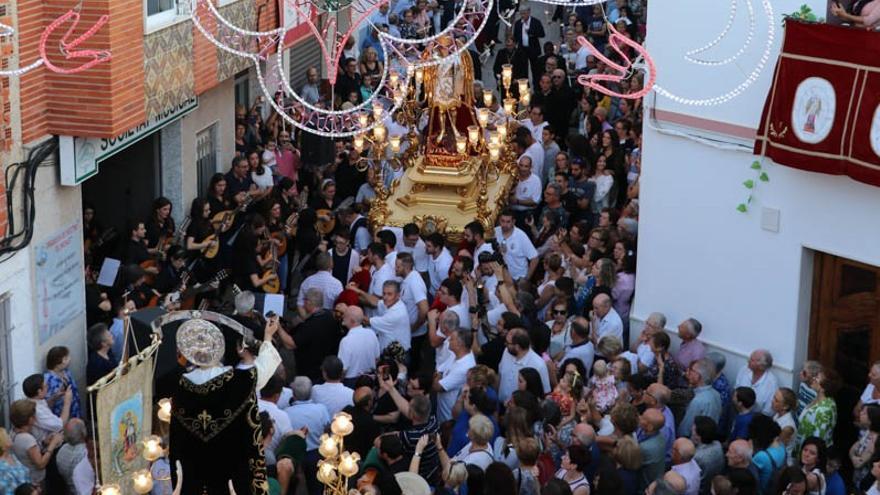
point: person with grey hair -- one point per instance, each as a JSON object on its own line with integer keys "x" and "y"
{"x": 655, "y": 322}
{"x": 306, "y": 413}
{"x": 452, "y": 377}
{"x": 628, "y": 228}
{"x": 244, "y": 302}
{"x": 438, "y": 335}
{"x": 359, "y": 349}
{"x": 706, "y": 401}
{"x": 391, "y": 322}
{"x": 691, "y": 349}
{"x": 323, "y": 280}
{"x": 757, "y": 375}
{"x": 317, "y": 336}
{"x": 722, "y": 385}
{"x": 72, "y": 453}
{"x": 806, "y": 394}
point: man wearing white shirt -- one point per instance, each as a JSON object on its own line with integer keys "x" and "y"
{"x": 475, "y": 233}
{"x": 526, "y": 194}
{"x": 414, "y": 296}
{"x": 323, "y": 280}
{"x": 519, "y": 355}
{"x": 392, "y": 324}
{"x": 655, "y": 322}
{"x": 439, "y": 260}
{"x": 381, "y": 273}
{"x": 332, "y": 394}
{"x": 758, "y": 377}
{"x": 580, "y": 347}
{"x": 535, "y": 123}
{"x": 605, "y": 320}
{"x": 268, "y": 402}
{"x": 518, "y": 251}
{"x": 359, "y": 349}
{"x": 304, "y": 412}
{"x": 532, "y": 148}
{"x": 450, "y": 294}
{"x": 389, "y": 241}
{"x": 440, "y": 326}
{"x": 411, "y": 242}
{"x": 449, "y": 382}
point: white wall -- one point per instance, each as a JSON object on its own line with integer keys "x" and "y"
{"x": 700, "y": 257}
{"x": 57, "y": 207}
{"x": 676, "y": 27}
{"x": 216, "y": 105}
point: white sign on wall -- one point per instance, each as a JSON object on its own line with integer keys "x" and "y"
{"x": 80, "y": 155}
{"x": 61, "y": 296}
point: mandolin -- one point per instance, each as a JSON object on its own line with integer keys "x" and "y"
{"x": 223, "y": 220}
{"x": 327, "y": 218}
{"x": 273, "y": 285}
{"x": 210, "y": 251}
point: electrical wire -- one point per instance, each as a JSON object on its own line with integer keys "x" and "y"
{"x": 27, "y": 172}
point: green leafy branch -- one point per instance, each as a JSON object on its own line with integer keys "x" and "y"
{"x": 805, "y": 13}
{"x": 760, "y": 176}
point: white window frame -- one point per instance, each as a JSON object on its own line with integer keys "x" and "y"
{"x": 161, "y": 20}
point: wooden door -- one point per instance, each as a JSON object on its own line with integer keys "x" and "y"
{"x": 845, "y": 328}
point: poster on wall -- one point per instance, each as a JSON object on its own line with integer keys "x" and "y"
{"x": 61, "y": 296}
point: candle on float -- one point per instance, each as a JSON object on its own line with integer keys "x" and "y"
{"x": 363, "y": 119}
{"x": 164, "y": 412}
{"x": 112, "y": 489}
{"x": 359, "y": 142}
{"x": 378, "y": 110}
{"x": 379, "y": 133}
{"x": 142, "y": 481}
{"x": 525, "y": 98}
{"x": 509, "y": 105}
{"x": 395, "y": 148}
{"x": 473, "y": 134}
{"x": 494, "y": 152}
{"x": 153, "y": 448}
{"x": 348, "y": 463}
{"x": 483, "y": 116}
{"x": 487, "y": 97}
{"x": 523, "y": 85}
{"x": 328, "y": 446}
{"x": 461, "y": 144}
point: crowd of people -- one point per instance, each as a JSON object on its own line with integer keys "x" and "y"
{"x": 500, "y": 362}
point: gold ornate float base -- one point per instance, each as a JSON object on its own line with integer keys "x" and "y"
{"x": 444, "y": 197}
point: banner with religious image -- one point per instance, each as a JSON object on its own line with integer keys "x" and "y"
{"x": 823, "y": 110}
{"x": 125, "y": 413}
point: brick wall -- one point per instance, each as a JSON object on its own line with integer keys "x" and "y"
{"x": 109, "y": 98}
{"x": 4, "y": 219}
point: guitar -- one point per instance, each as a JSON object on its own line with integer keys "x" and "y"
{"x": 223, "y": 220}
{"x": 288, "y": 230}
{"x": 154, "y": 301}
{"x": 107, "y": 236}
{"x": 273, "y": 285}
{"x": 188, "y": 296}
{"x": 327, "y": 218}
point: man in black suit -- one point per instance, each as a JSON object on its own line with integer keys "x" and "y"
{"x": 528, "y": 31}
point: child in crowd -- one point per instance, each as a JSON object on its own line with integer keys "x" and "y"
{"x": 602, "y": 387}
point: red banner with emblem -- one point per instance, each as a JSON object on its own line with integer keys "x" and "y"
{"x": 823, "y": 110}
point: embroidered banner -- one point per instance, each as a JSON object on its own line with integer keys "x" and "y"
{"x": 125, "y": 418}
{"x": 823, "y": 110}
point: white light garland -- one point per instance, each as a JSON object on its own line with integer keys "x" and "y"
{"x": 344, "y": 123}
{"x": 752, "y": 77}
{"x": 751, "y": 33}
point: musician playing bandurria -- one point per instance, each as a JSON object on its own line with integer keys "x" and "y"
{"x": 160, "y": 225}
{"x": 247, "y": 269}
{"x": 199, "y": 238}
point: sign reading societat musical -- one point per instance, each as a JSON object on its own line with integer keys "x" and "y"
{"x": 80, "y": 156}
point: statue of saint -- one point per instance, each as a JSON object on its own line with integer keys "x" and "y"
{"x": 449, "y": 92}
{"x": 215, "y": 423}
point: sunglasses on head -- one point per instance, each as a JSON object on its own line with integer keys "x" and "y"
{"x": 559, "y": 311}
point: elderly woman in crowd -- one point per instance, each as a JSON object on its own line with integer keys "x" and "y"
{"x": 574, "y": 464}
{"x": 820, "y": 417}
{"x": 478, "y": 452}
{"x": 59, "y": 379}
{"x": 23, "y": 415}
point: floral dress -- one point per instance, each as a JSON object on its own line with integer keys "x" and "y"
{"x": 12, "y": 474}
{"x": 818, "y": 420}
{"x": 56, "y": 384}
